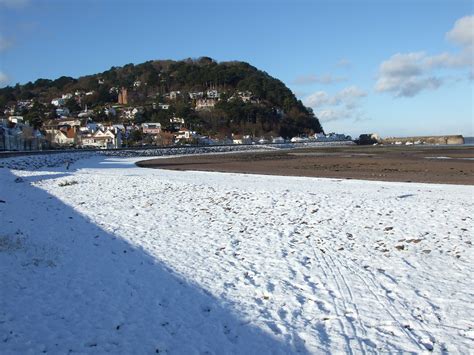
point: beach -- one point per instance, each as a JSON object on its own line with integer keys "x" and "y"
{"x": 427, "y": 164}
{"x": 109, "y": 257}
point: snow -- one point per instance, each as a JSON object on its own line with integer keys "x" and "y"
{"x": 109, "y": 257}
{"x": 56, "y": 159}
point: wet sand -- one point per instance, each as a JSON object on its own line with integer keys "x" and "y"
{"x": 428, "y": 164}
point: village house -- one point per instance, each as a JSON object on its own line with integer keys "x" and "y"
{"x": 240, "y": 139}
{"x": 177, "y": 120}
{"x": 186, "y": 135}
{"x": 24, "y": 104}
{"x": 196, "y": 95}
{"x": 15, "y": 119}
{"x": 131, "y": 113}
{"x": 237, "y": 139}
{"x": 103, "y": 140}
{"x": 63, "y": 138}
{"x": 69, "y": 122}
{"x": 58, "y": 102}
{"x": 62, "y": 111}
{"x": 212, "y": 94}
{"x": 205, "y": 104}
{"x": 152, "y": 128}
{"x": 245, "y": 96}
{"x": 174, "y": 95}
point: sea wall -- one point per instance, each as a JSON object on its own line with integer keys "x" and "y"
{"x": 454, "y": 139}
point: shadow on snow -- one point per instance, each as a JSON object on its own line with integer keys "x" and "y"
{"x": 70, "y": 286}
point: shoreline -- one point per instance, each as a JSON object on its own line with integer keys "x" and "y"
{"x": 420, "y": 164}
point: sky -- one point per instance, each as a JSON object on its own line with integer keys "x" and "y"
{"x": 392, "y": 67}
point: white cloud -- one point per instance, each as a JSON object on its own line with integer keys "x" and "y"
{"x": 408, "y": 74}
{"x": 405, "y": 75}
{"x": 462, "y": 32}
{"x": 351, "y": 93}
{"x": 3, "y": 79}
{"x": 346, "y": 96}
{"x": 342, "y": 105}
{"x": 319, "y": 98}
{"x": 327, "y": 115}
{"x": 325, "y": 79}
{"x": 449, "y": 60}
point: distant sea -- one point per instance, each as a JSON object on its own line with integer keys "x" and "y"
{"x": 468, "y": 140}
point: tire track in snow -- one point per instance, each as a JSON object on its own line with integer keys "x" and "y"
{"x": 393, "y": 312}
{"x": 402, "y": 303}
{"x": 346, "y": 335}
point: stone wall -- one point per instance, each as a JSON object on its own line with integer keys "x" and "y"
{"x": 454, "y": 139}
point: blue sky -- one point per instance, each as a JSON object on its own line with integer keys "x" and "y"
{"x": 395, "y": 67}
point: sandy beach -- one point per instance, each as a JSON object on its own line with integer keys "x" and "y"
{"x": 428, "y": 164}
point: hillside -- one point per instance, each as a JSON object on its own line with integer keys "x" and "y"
{"x": 214, "y": 98}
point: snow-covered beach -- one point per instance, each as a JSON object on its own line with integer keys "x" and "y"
{"x": 106, "y": 256}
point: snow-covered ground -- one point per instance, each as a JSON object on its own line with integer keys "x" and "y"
{"x": 106, "y": 256}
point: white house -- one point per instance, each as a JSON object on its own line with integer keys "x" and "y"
{"x": 185, "y": 134}
{"x": 196, "y": 95}
{"x": 212, "y": 94}
{"x": 151, "y": 128}
{"x": 245, "y": 96}
{"x": 70, "y": 122}
{"x": 62, "y": 111}
{"x": 320, "y": 136}
{"x": 130, "y": 113}
{"x": 24, "y": 104}
{"x": 298, "y": 140}
{"x": 174, "y": 94}
{"x": 103, "y": 140}
{"x": 58, "y": 102}
{"x": 205, "y": 104}
{"x": 63, "y": 138}
{"x": 177, "y": 120}
{"x": 15, "y": 119}
{"x": 238, "y": 139}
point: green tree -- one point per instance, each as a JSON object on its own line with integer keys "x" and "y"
{"x": 72, "y": 105}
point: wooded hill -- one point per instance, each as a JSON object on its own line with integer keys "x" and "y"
{"x": 273, "y": 108}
